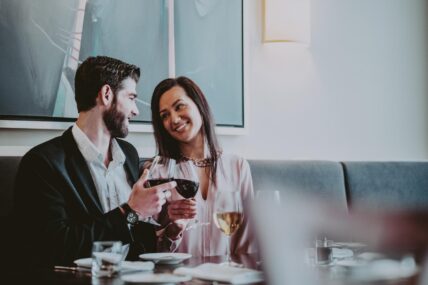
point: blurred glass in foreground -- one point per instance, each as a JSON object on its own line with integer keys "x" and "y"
{"x": 362, "y": 247}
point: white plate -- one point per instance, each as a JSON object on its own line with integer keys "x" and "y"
{"x": 126, "y": 265}
{"x": 155, "y": 278}
{"x": 349, "y": 263}
{"x": 84, "y": 262}
{"x": 352, "y": 245}
{"x": 166, "y": 257}
{"x": 218, "y": 272}
{"x": 341, "y": 253}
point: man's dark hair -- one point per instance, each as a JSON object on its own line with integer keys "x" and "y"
{"x": 94, "y": 73}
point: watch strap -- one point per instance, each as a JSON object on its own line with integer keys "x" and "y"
{"x": 126, "y": 208}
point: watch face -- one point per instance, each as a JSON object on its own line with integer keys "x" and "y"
{"x": 132, "y": 218}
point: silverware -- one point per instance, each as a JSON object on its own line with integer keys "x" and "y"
{"x": 71, "y": 268}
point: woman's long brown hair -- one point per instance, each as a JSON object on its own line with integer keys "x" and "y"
{"x": 167, "y": 145}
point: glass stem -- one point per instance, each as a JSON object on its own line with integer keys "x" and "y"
{"x": 229, "y": 258}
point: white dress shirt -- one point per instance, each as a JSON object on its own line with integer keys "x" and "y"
{"x": 112, "y": 184}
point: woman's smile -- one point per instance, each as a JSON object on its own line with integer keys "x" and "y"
{"x": 180, "y": 115}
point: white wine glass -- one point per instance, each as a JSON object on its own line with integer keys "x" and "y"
{"x": 269, "y": 197}
{"x": 228, "y": 216}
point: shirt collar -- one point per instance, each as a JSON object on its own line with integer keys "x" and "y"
{"x": 90, "y": 151}
{"x": 117, "y": 152}
{"x": 86, "y": 147}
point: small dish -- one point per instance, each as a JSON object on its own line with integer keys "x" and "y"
{"x": 84, "y": 262}
{"x": 155, "y": 278}
{"x": 350, "y": 245}
{"x": 341, "y": 253}
{"x": 166, "y": 257}
{"x": 219, "y": 273}
{"x": 126, "y": 265}
{"x": 350, "y": 263}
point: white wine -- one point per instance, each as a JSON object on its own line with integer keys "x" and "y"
{"x": 228, "y": 222}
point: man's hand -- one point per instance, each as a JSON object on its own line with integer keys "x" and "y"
{"x": 148, "y": 201}
{"x": 182, "y": 209}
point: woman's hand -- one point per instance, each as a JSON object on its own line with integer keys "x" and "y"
{"x": 178, "y": 211}
{"x": 182, "y": 209}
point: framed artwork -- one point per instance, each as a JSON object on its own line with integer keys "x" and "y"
{"x": 43, "y": 42}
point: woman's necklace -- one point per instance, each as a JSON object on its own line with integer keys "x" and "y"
{"x": 204, "y": 162}
{"x": 200, "y": 162}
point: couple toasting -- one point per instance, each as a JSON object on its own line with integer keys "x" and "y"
{"x": 84, "y": 186}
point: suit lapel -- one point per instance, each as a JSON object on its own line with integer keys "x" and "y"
{"x": 131, "y": 165}
{"x": 80, "y": 174}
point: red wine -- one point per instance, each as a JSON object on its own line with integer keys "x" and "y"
{"x": 187, "y": 188}
{"x": 155, "y": 182}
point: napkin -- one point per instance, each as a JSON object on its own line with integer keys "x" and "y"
{"x": 137, "y": 265}
{"x": 222, "y": 273}
{"x": 385, "y": 269}
{"x": 126, "y": 265}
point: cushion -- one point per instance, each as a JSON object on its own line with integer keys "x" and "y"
{"x": 388, "y": 185}
{"x": 318, "y": 179}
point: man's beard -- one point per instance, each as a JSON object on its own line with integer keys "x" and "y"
{"x": 115, "y": 122}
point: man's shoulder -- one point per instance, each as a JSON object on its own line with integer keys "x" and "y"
{"x": 127, "y": 147}
{"x": 51, "y": 146}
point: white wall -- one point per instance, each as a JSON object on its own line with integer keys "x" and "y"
{"x": 358, "y": 92}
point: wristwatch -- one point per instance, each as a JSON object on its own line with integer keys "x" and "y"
{"x": 131, "y": 215}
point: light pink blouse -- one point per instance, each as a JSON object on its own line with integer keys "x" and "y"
{"x": 233, "y": 173}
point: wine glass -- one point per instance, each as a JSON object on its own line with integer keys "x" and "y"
{"x": 161, "y": 171}
{"x": 269, "y": 197}
{"x": 228, "y": 216}
{"x": 187, "y": 180}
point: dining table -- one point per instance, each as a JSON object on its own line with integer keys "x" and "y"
{"x": 84, "y": 277}
{"x": 251, "y": 261}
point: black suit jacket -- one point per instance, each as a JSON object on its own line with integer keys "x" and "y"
{"x": 57, "y": 210}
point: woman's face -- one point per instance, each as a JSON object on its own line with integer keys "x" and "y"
{"x": 180, "y": 115}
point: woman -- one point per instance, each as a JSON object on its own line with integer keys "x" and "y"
{"x": 184, "y": 130}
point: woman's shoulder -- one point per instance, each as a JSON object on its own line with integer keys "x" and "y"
{"x": 233, "y": 159}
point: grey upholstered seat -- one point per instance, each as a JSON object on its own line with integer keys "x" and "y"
{"x": 396, "y": 185}
{"x": 322, "y": 179}
{"x": 8, "y": 169}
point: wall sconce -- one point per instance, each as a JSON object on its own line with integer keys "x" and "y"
{"x": 286, "y": 21}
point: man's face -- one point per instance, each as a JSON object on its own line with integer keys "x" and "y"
{"x": 122, "y": 109}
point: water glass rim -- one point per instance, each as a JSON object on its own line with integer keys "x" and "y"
{"x": 229, "y": 191}
{"x": 107, "y": 242}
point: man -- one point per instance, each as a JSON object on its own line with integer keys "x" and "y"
{"x": 83, "y": 186}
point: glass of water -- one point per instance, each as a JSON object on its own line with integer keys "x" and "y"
{"x": 106, "y": 258}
